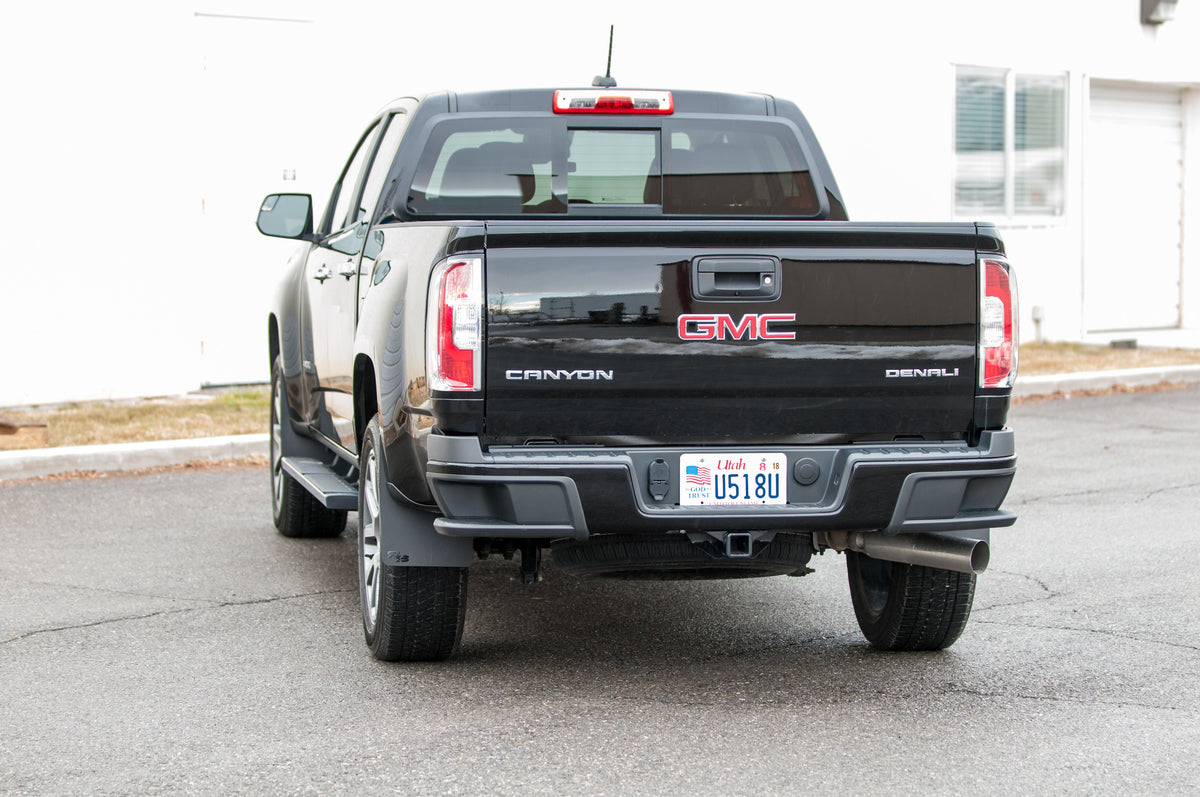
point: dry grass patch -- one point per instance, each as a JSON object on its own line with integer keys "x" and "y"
{"x": 237, "y": 411}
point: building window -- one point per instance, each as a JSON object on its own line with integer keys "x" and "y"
{"x": 1010, "y": 143}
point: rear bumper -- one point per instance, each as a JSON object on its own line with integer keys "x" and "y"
{"x": 571, "y": 492}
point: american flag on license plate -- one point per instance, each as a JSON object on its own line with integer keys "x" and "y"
{"x": 695, "y": 474}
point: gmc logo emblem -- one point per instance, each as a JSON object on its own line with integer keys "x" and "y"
{"x": 719, "y": 326}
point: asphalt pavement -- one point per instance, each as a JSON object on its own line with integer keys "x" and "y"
{"x": 157, "y": 636}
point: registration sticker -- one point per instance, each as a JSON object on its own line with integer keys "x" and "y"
{"x": 732, "y": 479}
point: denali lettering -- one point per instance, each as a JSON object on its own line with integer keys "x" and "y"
{"x": 716, "y": 326}
{"x": 908, "y": 373}
{"x": 578, "y": 375}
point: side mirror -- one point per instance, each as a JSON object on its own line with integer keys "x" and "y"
{"x": 286, "y": 216}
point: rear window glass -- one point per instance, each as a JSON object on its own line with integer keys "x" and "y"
{"x": 611, "y": 167}
{"x": 742, "y": 169}
{"x": 501, "y": 167}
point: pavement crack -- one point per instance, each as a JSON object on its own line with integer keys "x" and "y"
{"x": 1098, "y": 631}
{"x": 1035, "y": 499}
{"x": 95, "y": 623}
{"x": 1161, "y": 490}
{"x": 208, "y": 604}
{"x": 279, "y": 598}
{"x": 1047, "y": 593}
{"x": 110, "y": 591}
{"x": 963, "y": 690}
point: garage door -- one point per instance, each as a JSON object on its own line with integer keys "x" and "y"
{"x": 1133, "y": 201}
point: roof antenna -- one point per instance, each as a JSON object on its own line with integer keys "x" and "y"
{"x": 606, "y": 80}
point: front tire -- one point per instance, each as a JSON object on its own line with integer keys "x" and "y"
{"x": 908, "y": 607}
{"x": 297, "y": 512}
{"x": 409, "y": 613}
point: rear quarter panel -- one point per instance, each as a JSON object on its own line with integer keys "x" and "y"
{"x": 391, "y": 338}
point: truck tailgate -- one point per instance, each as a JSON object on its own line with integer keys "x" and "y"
{"x": 715, "y": 332}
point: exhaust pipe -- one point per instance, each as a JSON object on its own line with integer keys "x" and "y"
{"x": 930, "y": 550}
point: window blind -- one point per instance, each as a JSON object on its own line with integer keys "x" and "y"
{"x": 1010, "y": 143}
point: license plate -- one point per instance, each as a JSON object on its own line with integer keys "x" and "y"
{"x": 732, "y": 479}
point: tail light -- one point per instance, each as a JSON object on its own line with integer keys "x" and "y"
{"x": 998, "y": 321}
{"x": 454, "y": 335}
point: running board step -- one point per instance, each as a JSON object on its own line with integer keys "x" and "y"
{"x": 319, "y": 479}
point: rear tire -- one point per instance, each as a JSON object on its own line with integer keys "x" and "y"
{"x": 908, "y": 607}
{"x": 409, "y": 613}
{"x": 297, "y": 512}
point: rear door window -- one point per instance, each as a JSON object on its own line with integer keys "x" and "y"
{"x": 380, "y": 164}
{"x": 339, "y": 214}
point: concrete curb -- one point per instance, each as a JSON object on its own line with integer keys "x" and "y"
{"x": 31, "y": 463}
{"x": 1103, "y": 380}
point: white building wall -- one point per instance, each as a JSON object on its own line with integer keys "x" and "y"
{"x": 1191, "y": 209}
{"x": 96, "y": 205}
{"x": 140, "y": 137}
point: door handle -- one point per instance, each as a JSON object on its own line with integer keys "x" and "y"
{"x": 322, "y": 273}
{"x": 349, "y": 269}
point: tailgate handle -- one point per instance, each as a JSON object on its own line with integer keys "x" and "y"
{"x": 748, "y": 279}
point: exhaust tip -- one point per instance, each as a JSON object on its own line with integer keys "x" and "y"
{"x": 981, "y": 555}
{"x": 963, "y": 555}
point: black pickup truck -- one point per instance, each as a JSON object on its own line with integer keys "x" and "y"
{"x": 634, "y": 329}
